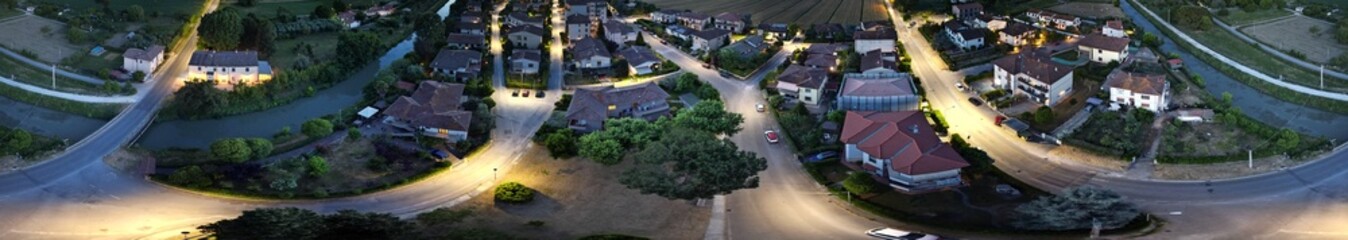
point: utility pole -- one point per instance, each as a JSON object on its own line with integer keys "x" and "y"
{"x": 53, "y": 76}
{"x": 1322, "y": 76}
{"x": 1251, "y": 157}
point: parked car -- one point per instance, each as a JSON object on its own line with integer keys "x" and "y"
{"x": 759, "y": 107}
{"x": 975, "y": 101}
{"x": 526, "y": 93}
{"x": 959, "y": 86}
{"x": 771, "y": 135}
{"x": 538, "y": 94}
{"x": 820, "y": 156}
{"x": 895, "y": 234}
{"x": 706, "y": 65}
{"x": 725, "y": 74}
{"x": 515, "y": 93}
{"x": 998, "y": 121}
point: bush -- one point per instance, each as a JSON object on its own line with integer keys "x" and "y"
{"x": 860, "y": 183}
{"x": 353, "y": 134}
{"x": 317, "y": 127}
{"x": 514, "y": 192}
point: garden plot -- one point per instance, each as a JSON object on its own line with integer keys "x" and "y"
{"x": 1294, "y": 34}
{"x": 45, "y": 38}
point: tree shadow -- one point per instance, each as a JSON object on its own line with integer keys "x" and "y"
{"x": 542, "y": 206}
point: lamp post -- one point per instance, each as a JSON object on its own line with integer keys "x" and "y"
{"x": 185, "y": 234}
{"x": 493, "y": 174}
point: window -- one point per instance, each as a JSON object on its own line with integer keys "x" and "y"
{"x": 1146, "y": 97}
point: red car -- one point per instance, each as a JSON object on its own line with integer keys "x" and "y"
{"x": 772, "y": 136}
{"x": 998, "y": 120}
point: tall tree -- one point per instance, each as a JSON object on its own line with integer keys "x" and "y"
{"x": 349, "y": 224}
{"x": 1076, "y": 208}
{"x": 323, "y": 12}
{"x": 135, "y": 13}
{"x": 339, "y": 6}
{"x": 692, "y": 164}
{"x": 233, "y": 150}
{"x": 709, "y": 116}
{"x": 602, "y": 148}
{"x": 221, "y": 30}
{"x": 198, "y": 98}
{"x": 268, "y": 223}
{"x": 430, "y": 36}
{"x": 357, "y": 49}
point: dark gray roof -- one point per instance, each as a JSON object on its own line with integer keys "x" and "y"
{"x": 589, "y": 47}
{"x": 876, "y": 59}
{"x": 147, "y": 54}
{"x": 224, "y": 59}
{"x": 881, "y": 34}
{"x": 1016, "y": 28}
{"x": 522, "y": 16}
{"x": 636, "y": 55}
{"x": 462, "y": 38}
{"x": 712, "y": 33}
{"x": 774, "y": 27}
{"x": 455, "y": 59}
{"x": 804, "y": 76}
{"x": 522, "y": 54}
{"x": 749, "y": 46}
{"x": 577, "y": 19}
{"x": 619, "y": 27}
{"x": 1035, "y": 65}
{"x": 531, "y": 29}
{"x": 899, "y": 85}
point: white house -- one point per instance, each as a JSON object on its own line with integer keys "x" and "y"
{"x": 901, "y": 148}
{"x": 866, "y": 41}
{"x": 1033, "y": 74}
{"x": 730, "y": 21}
{"x": 578, "y": 27}
{"x": 240, "y": 67}
{"x": 964, "y": 36}
{"x": 640, "y": 60}
{"x": 619, "y": 32}
{"x": 666, "y": 16}
{"x": 1103, "y": 49}
{"x": 1016, "y": 34}
{"x": 802, "y": 83}
{"x": 1148, "y": 91}
{"x": 525, "y": 61}
{"x": 143, "y": 60}
{"x": 694, "y": 20}
{"x": 1113, "y": 28}
{"x": 526, "y": 36}
{"x": 590, "y": 53}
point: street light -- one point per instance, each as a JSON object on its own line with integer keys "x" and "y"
{"x": 185, "y": 234}
{"x": 493, "y": 174}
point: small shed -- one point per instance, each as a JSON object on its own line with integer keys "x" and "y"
{"x": 1175, "y": 64}
{"x": 367, "y": 112}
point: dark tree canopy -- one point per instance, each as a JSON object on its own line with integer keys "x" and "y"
{"x": 692, "y": 164}
{"x": 268, "y": 223}
{"x": 358, "y": 48}
{"x": 221, "y": 30}
{"x": 1076, "y": 208}
{"x": 349, "y": 224}
{"x": 710, "y": 116}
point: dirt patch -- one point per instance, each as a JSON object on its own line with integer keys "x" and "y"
{"x": 1089, "y": 10}
{"x": 1221, "y": 170}
{"x": 26, "y": 33}
{"x": 1207, "y": 139}
{"x": 1294, "y": 34}
{"x": 13, "y": 163}
{"x": 126, "y": 161}
{"x": 577, "y": 198}
{"x": 1075, "y": 154}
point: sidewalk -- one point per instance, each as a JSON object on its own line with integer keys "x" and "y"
{"x": 141, "y": 90}
{"x": 40, "y": 65}
{"x": 1238, "y": 66}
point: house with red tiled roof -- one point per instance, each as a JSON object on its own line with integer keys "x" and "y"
{"x": 1113, "y": 28}
{"x": 1104, "y": 49}
{"x": 433, "y": 110}
{"x": 1142, "y": 90}
{"x": 901, "y": 148}
{"x": 590, "y": 107}
{"x": 1032, "y": 73}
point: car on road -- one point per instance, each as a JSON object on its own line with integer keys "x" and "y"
{"x": 725, "y": 74}
{"x": 515, "y": 93}
{"x": 539, "y": 94}
{"x": 998, "y": 121}
{"x": 819, "y": 156}
{"x": 526, "y": 93}
{"x": 706, "y": 65}
{"x": 895, "y": 234}
{"x": 759, "y": 107}
{"x": 975, "y": 101}
{"x": 771, "y": 135}
{"x": 959, "y": 86}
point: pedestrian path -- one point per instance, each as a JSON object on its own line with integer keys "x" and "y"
{"x": 1272, "y": 51}
{"x": 140, "y": 93}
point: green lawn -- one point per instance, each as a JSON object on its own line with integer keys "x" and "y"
{"x": 5, "y": 13}
{"x": 1336, "y": 3}
{"x": 1240, "y": 17}
{"x": 324, "y": 47}
{"x": 268, "y": 9}
{"x": 165, "y": 7}
{"x": 1231, "y": 47}
{"x": 1017, "y": 6}
{"x": 42, "y": 77}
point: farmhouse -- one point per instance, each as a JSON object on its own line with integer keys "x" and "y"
{"x": 902, "y": 148}
{"x": 865, "y": 41}
{"x": 731, "y": 22}
{"x": 517, "y": 19}
{"x": 640, "y": 60}
{"x": 466, "y": 41}
{"x": 590, "y": 54}
{"x": 710, "y": 40}
{"x": 966, "y": 10}
{"x": 964, "y": 36}
{"x": 240, "y": 67}
{"x": 143, "y": 60}
{"x": 526, "y": 36}
{"x": 578, "y": 27}
{"x": 458, "y": 64}
{"x": 619, "y": 32}
{"x": 525, "y": 61}
{"x": 1033, "y": 74}
{"x": 1103, "y": 49}
{"x": 877, "y": 92}
{"x": 1141, "y": 90}
{"x": 590, "y": 107}
{"x": 802, "y": 83}
{"x": 1016, "y": 34}
{"x": 433, "y": 110}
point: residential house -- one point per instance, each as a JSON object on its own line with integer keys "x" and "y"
{"x": 963, "y": 36}
{"x": 348, "y": 19}
{"x": 459, "y": 64}
{"x": 1032, "y": 73}
{"x": 640, "y": 60}
{"x": 590, "y": 107}
{"x": 966, "y": 10}
{"x": 865, "y": 41}
{"x": 234, "y": 67}
{"x": 827, "y": 62}
{"x": 985, "y": 21}
{"x": 1053, "y": 19}
{"x": 517, "y": 19}
{"x": 748, "y": 47}
{"x": 1016, "y": 34}
{"x": 694, "y": 20}
{"x": 433, "y": 110}
{"x": 381, "y": 10}
{"x": 680, "y": 32}
{"x": 466, "y": 41}
{"x": 1140, "y": 89}
{"x": 142, "y": 60}
{"x": 578, "y": 27}
{"x": 619, "y": 32}
{"x": 525, "y": 61}
{"x": 878, "y": 63}
{"x": 826, "y": 48}
{"x": 877, "y": 92}
{"x": 730, "y": 21}
{"x": 475, "y": 28}
{"x": 595, "y": 10}
{"x": 874, "y": 25}
{"x": 774, "y": 31}
{"x": 829, "y": 31}
{"x": 590, "y": 54}
{"x": 903, "y": 149}
{"x": 667, "y": 16}
{"x": 710, "y": 40}
{"x": 802, "y": 83}
{"x": 1114, "y": 28}
{"x": 1103, "y": 49}
{"x": 526, "y": 36}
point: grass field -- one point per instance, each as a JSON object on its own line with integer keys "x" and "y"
{"x": 324, "y": 46}
{"x": 1231, "y": 47}
{"x": 1090, "y": 10}
{"x": 789, "y": 11}
{"x": 11, "y": 68}
{"x": 1336, "y": 3}
{"x": 1240, "y": 17}
{"x": 267, "y": 8}
{"x": 1295, "y": 33}
{"x": 166, "y": 7}
{"x": 26, "y": 34}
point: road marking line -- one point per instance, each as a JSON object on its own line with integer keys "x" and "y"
{"x": 1313, "y": 232}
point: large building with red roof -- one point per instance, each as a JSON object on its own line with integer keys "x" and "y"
{"x": 901, "y": 148}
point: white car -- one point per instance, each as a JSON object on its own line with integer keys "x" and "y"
{"x": 772, "y": 136}
{"x": 895, "y": 234}
{"x": 759, "y": 107}
{"x": 959, "y": 86}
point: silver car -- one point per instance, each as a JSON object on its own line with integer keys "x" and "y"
{"x": 895, "y": 234}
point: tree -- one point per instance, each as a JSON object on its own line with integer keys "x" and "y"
{"x": 1043, "y": 115}
{"x": 633, "y": 132}
{"x": 979, "y": 161}
{"x": 430, "y": 36}
{"x": 353, "y": 134}
{"x": 1341, "y": 32}
{"x": 138, "y": 76}
{"x": 357, "y": 48}
{"x": 692, "y": 164}
{"x": 1287, "y": 140}
{"x": 1193, "y": 17}
{"x": 233, "y": 150}
{"x": 247, "y": 3}
{"x": 710, "y": 116}
{"x": 837, "y": 116}
{"x": 318, "y": 166}
{"x": 686, "y": 82}
{"x": 707, "y": 92}
{"x": 1076, "y": 208}
{"x": 442, "y": 217}
{"x": 221, "y": 30}
{"x": 76, "y": 35}
{"x": 268, "y": 223}
{"x": 19, "y": 141}
{"x": 349, "y": 224}
{"x": 260, "y": 147}
{"x": 513, "y": 192}
{"x": 641, "y": 40}
{"x": 191, "y": 177}
{"x": 561, "y": 143}
{"x": 323, "y": 12}
{"x": 601, "y": 148}
{"x": 104, "y": 3}
{"x": 339, "y": 6}
{"x": 317, "y": 127}
{"x": 860, "y": 183}
{"x": 134, "y": 13}
{"x": 9, "y": 3}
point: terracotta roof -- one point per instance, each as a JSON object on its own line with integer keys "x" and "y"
{"x": 592, "y": 104}
{"x": 1148, "y": 83}
{"x": 856, "y": 85}
{"x": 586, "y": 48}
{"x": 147, "y": 54}
{"x": 434, "y": 105}
{"x": 224, "y": 59}
{"x": 881, "y": 34}
{"x": 904, "y": 138}
{"x": 1034, "y": 64}
{"x": 710, "y": 34}
{"x": 1115, "y": 24}
{"x": 1096, "y": 40}
{"x": 803, "y": 76}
